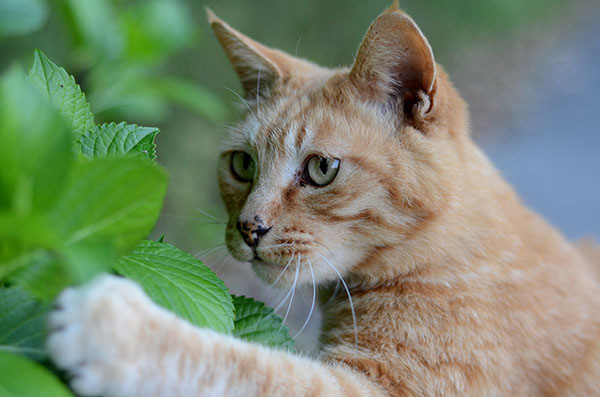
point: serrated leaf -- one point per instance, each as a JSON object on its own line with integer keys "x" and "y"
{"x": 63, "y": 92}
{"x": 257, "y": 323}
{"x": 35, "y": 153}
{"x": 119, "y": 140}
{"x": 112, "y": 200}
{"x": 22, "y": 323}
{"x": 179, "y": 282}
{"x": 25, "y": 378}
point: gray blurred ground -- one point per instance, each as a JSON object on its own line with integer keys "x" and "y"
{"x": 550, "y": 150}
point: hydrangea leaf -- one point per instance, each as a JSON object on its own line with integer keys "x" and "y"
{"x": 35, "y": 154}
{"x": 22, "y": 323}
{"x": 257, "y": 323}
{"x": 179, "y": 282}
{"x": 114, "y": 200}
{"x": 63, "y": 92}
{"x": 20, "y": 376}
{"x": 119, "y": 140}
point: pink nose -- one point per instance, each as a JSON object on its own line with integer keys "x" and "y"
{"x": 251, "y": 232}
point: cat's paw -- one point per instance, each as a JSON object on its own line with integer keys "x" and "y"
{"x": 95, "y": 332}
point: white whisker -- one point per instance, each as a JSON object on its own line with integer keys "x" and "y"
{"x": 284, "y": 269}
{"x": 258, "y": 91}
{"x": 193, "y": 217}
{"x": 209, "y": 215}
{"x": 312, "y": 305}
{"x": 278, "y": 245}
{"x": 298, "y": 45}
{"x": 286, "y": 295}
{"x": 287, "y": 312}
{"x": 335, "y": 292}
{"x": 218, "y": 267}
{"x": 384, "y": 257}
{"x": 243, "y": 101}
{"x": 201, "y": 254}
{"x": 348, "y": 293}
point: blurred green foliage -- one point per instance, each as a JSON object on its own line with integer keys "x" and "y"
{"x": 155, "y": 61}
{"x": 76, "y": 200}
{"x": 117, "y": 50}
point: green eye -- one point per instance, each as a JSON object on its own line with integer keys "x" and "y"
{"x": 321, "y": 171}
{"x": 242, "y": 166}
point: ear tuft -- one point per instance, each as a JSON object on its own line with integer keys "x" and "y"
{"x": 212, "y": 18}
{"x": 395, "y": 64}
{"x": 257, "y": 66}
{"x": 394, "y": 7}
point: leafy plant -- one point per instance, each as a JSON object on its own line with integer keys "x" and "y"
{"x": 78, "y": 199}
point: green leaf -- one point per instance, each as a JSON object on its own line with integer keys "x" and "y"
{"x": 22, "y": 323}
{"x": 45, "y": 273}
{"x": 119, "y": 140}
{"x": 255, "y": 322}
{"x": 179, "y": 282}
{"x": 25, "y": 378}
{"x": 112, "y": 200}
{"x": 86, "y": 258}
{"x": 63, "y": 92}
{"x": 21, "y": 17}
{"x": 42, "y": 274}
{"x": 21, "y": 233}
{"x": 35, "y": 153}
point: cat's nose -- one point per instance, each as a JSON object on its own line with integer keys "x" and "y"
{"x": 252, "y": 231}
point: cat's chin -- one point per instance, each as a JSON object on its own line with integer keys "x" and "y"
{"x": 267, "y": 271}
{"x": 256, "y": 262}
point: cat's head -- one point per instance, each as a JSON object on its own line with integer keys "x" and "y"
{"x": 334, "y": 170}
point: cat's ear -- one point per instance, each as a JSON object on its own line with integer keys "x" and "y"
{"x": 395, "y": 64}
{"x": 257, "y": 66}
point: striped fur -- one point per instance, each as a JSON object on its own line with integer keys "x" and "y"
{"x": 457, "y": 288}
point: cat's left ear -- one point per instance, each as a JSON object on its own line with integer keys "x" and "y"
{"x": 258, "y": 67}
{"x": 395, "y": 65}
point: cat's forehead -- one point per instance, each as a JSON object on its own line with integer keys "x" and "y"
{"x": 287, "y": 127}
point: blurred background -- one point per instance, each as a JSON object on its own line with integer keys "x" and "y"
{"x": 530, "y": 71}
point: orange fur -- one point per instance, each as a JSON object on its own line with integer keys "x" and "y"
{"x": 458, "y": 289}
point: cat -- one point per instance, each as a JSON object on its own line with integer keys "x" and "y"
{"x": 368, "y": 174}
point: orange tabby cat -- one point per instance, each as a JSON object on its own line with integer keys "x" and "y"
{"x": 368, "y": 174}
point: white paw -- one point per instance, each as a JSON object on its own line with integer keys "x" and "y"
{"x": 97, "y": 333}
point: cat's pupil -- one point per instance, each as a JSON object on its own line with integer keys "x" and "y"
{"x": 323, "y": 166}
{"x": 246, "y": 161}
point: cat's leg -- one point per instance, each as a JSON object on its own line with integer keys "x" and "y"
{"x": 116, "y": 342}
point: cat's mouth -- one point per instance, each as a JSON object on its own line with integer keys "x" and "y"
{"x": 257, "y": 260}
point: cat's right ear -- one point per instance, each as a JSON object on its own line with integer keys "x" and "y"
{"x": 258, "y": 67}
{"x": 395, "y": 65}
